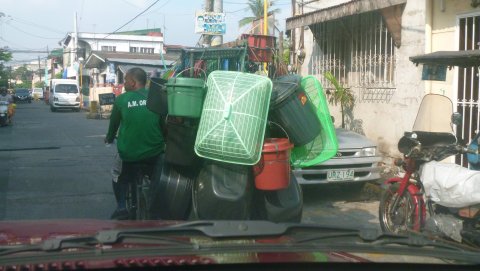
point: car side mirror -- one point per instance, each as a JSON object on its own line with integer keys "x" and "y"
{"x": 457, "y": 118}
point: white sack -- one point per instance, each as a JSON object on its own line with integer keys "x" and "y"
{"x": 451, "y": 185}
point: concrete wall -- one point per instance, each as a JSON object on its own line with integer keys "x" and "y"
{"x": 385, "y": 123}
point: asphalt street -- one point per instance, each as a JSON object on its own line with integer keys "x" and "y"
{"x": 54, "y": 165}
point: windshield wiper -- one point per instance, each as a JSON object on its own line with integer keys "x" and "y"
{"x": 213, "y": 229}
{"x": 177, "y": 238}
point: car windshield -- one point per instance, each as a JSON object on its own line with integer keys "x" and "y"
{"x": 22, "y": 91}
{"x": 138, "y": 134}
{"x": 66, "y": 89}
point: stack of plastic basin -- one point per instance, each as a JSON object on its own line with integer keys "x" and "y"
{"x": 172, "y": 192}
{"x": 223, "y": 191}
{"x": 283, "y": 205}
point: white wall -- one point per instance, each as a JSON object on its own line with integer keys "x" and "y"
{"x": 122, "y": 42}
{"x": 385, "y": 123}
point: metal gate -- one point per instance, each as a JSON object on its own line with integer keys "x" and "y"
{"x": 360, "y": 52}
{"x": 468, "y": 83}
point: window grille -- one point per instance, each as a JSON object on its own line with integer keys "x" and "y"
{"x": 360, "y": 52}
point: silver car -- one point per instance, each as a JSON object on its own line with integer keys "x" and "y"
{"x": 357, "y": 160}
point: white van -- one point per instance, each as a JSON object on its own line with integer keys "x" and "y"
{"x": 64, "y": 94}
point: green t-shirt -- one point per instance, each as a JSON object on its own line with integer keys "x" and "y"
{"x": 140, "y": 135}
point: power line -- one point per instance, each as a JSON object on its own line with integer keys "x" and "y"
{"x": 23, "y": 21}
{"x": 33, "y": 35}
{"x": 138, "y": 15}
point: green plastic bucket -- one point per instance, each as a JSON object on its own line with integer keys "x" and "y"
{"x": 185, "y": 96}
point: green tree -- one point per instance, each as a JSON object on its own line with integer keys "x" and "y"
{"x": 256, "y": 8}
{"x": 23, "y": 73}
{"x": 40, "y": 84}
{"x": 341, "y": 95}
{"x": 5, "y": 56}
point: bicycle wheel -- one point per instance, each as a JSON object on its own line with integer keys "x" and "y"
{"x": 143, "y": 199}
{"x": 131, "y": 201}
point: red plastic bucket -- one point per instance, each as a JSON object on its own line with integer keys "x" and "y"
{"x": 273, "y": 170}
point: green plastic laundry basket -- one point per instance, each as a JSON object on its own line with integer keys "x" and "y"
{"x": 234, "y": 117}
{"x": 325, "y": 145}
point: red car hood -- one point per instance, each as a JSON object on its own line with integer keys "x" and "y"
{"x": 15, "y": 233}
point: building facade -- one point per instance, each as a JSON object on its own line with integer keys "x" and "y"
{"x": 367, "y": 45}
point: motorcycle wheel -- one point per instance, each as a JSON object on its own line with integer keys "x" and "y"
{"x": 400, "y": 220}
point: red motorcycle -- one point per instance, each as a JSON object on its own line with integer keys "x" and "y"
{"x": 438, "y": 198}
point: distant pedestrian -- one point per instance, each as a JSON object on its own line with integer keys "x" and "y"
{"x": 7, "y": 97}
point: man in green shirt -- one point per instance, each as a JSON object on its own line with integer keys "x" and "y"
{"x": 140, "y": 141}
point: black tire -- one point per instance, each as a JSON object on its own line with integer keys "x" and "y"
{"x": 402, "y": 219}
{"x": 53, "y": 109}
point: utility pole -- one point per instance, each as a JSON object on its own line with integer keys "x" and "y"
{"x": 293, "y": 38}
{"x": 206, "y": 39}
{"x": 39, "y": 69}
{"x": 218, "y": 8}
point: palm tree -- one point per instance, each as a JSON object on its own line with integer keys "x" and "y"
{"x": 256, "y": 7}
{"x": 341, "y": 95}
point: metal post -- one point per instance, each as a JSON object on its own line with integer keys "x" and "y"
{"x": 217, "y": 7}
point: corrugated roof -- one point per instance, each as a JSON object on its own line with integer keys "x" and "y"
{"x": 467, "y": 58}
{"x": 153, "y": 62}
{"x": 334, "y": 12}
{"x": 148, "y": 69}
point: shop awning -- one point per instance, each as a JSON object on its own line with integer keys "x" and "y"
{"x": 464, "y": 59}
{"x": 148, "y": 69}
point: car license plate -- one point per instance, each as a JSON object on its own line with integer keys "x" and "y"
{"x": 340, "y": 175}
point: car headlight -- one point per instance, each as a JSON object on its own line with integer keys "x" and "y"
{"x": 77, "y": 99}
{"x": 55, "y": 99}
{"x": 372, "y": 151}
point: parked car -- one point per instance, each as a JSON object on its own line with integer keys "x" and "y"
{"x": 22, "y": 95}
{"x": 356, "y": 161}
{"x": 37, "y": 93}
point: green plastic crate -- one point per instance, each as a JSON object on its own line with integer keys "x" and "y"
{"x": 234, "y": 117}
{"x": 325, "y": 145}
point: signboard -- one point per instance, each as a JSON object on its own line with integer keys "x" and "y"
{"x": 106, "y": 98}
{"x": 434, "y": 72}
{"x": 110, "y": 76}
{"x": 210, "y": 23}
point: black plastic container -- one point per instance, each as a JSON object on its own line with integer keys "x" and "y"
{"x": 291, "y": 109}
{"x": 223, "y": 191}
{"x": 157, "y": 96}
{"x": 181, "y": 134}
{"x": 172, "y": 192}
{"x": 285, "y": 205}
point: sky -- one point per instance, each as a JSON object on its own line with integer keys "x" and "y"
{"x": 42, "y": 24}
